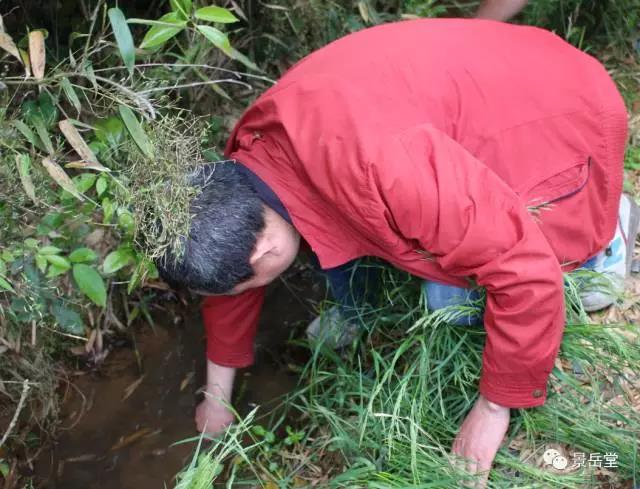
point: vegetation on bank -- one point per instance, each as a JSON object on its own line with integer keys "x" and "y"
{"x": 98, "y": 134}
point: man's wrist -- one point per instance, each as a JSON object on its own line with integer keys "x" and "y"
{"x": 492, "y": 406}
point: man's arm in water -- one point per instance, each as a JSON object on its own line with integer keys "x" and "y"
{"x": 501, "y": 10}
{"x": 231, "y": 322}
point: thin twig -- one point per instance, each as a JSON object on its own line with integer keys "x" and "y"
{"x": 196, "y": 84}
{"x": 14, "y": 420}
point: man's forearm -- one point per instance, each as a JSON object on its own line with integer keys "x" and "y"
{"x": 501, "y": 10}
{"x": 219, "y": 382}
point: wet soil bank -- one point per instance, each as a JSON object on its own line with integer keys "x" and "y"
{"x": 120, "y": 422}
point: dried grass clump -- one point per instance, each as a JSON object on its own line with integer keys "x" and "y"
{"x": 158, "y": 189}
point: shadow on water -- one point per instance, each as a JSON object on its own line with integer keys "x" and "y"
{"x": 120, "y": 423}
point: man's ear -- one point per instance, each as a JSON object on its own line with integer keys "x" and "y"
{"x": 263, "y": 247}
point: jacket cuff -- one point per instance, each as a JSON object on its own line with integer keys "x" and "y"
{"x": 221, "y": 355}
{"x": 512, "y": 395}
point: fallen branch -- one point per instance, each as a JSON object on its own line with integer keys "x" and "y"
{"x": 14, "y": 420}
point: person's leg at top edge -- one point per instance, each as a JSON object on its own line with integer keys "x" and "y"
{"x": 353, "y": 287}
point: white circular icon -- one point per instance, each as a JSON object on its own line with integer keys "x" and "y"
{"x": 549, "y": 455}
{"x": 560, "y": 462}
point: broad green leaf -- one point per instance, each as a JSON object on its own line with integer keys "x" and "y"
{"x": 123, "y": 38}
{"x": 31, "y": 243}
{"x": 27, "y": 133}
{"x": 238, "y": 56}
{"x": 71, "y": 94}
{"x": 126, "y": 221}
{"x": 216, "y": 14}
{"x": 90, "y": 283}
{"x": 118, "y": 259}
{"x": 41, "y": 263}
{"x": 135, "y": 129}
{"x": 83, "y": 255}
{"x": 68, "y": 319}
{"x": 58, "y": 261}
{"x": 107, "y": 210}
{"x": 55, "y": 270}
{"x": 3, "y": 267}
{"x": 23, "y": 162}
{"x": 43, "y": 134}
{"x": 84, "y": 181}
{"x": 218, "y": 38}
{"x": 49, "y": 250}
{"x": 4, "y": 284}
{"x": 182, "y": 7}
{"x": 101, "y": 185}
{"x": 109, "y": 131}
{"x": 159, "y": 34}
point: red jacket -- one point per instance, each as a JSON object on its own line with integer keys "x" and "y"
{"x": 452, "y": 149}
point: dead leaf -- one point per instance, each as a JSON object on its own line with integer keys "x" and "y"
{"x": 87, "y": 457}
{"x": 186, "y": 381}
{"x": 132, "y": 438}
{"x": 37, "y": 54}
{"x": 9, "y": 46}
{"x": 87, "y": 165}
{"x": 89, "y": 160}
{"x": 132, "y": 388}
{"x": 60, "y": 177}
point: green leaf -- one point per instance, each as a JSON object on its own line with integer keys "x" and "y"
{"x": 49, "y": 250}
{"x": 109, "y": 131}
{"x": 101, "y": 185}
{"x": 238, "y": 56}
{"x": 107, "y": 210}
{"x": 71, "y": 94}
{"x": 135, "y": 129}
{"x": 68, "y": 319}
{"x": 90, "y": 283}
{"x": 42, "y": 132}
{"x": 218, "y": 38}
{"x": 23, "y": 162}
{"x": 182, "y": 7}
{"x": 83, "y": 255}
{"x": 216, "y": 14}
{"x": 118, "y": 259}
{"x": 123, "y": 38}
{"x": 58, "y": 261}
{"x": 41, "y": 263}
{"x": 55, "y": 270}
{"x": 159, "y": 34}
{"x": 4, "y": 284}
{"x": 28, "y": 133}
{"x": 84, "y": 181}
{"x": 90, "y": 74}
{"x": 126, "y": 221}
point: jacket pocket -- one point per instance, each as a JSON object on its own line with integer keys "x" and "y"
{"x": 558, "y": 186}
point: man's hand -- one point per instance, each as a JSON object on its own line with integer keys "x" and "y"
{"x": 212, "y": 417}
{"x": 480, "y": 437}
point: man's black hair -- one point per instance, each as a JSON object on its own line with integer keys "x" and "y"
{"x": 227, "y": 216}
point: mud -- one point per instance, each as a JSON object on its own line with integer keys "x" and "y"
{"x": 121, "y": 422}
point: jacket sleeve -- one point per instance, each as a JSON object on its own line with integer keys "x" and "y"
{"x": 474, "y": 225}
{"x": 231, "y": 322}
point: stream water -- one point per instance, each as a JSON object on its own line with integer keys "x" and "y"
{"x": 120, "y": 423}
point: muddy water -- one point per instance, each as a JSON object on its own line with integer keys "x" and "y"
{"x": 121, "y": 422}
